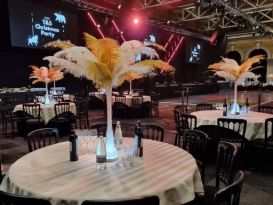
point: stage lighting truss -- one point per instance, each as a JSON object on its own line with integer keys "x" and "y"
{"x": 84, "y": 5}
{"x": 256, "y": 15}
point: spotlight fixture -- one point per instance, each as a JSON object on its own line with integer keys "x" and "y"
{"x": 119, "y": 6}
{"x": 98, "y": 25}
{"x": 121, "y": 32}
{"x": 136, "y": 20}
{"x": 168, "y": 22}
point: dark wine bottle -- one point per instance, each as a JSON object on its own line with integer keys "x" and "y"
{"x": 73, "y": 144}
{"x": 139, "y": 140}
{"x": 225, "y": 108}
{"x": 247, "y": 105}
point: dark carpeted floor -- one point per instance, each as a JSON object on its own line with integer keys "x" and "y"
{"x": 257, "y": 189}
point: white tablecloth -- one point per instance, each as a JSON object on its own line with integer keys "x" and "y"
{"x": 129, "y": 99}
{"x": 47, "y": 111}
{"x": 166, "y": 171}
{"x": 255, "y": 121}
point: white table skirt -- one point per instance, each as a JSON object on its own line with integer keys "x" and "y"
{"x": 255, "y": 121}
{"x": 166, "y": 171}
{"x": 47, "y": 111}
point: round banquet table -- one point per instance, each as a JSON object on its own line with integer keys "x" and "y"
{"x": 166, "y": 171}
{"x": 47, "y": 111}
{"x": 255, "y": 121}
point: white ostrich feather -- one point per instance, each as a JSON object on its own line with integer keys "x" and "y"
{"x": 229, "y": 65}
{"x": 75, "y": 60}
{"x": 66, "y": 65}
{"x": 131, "y": 49}
{"x": 149, "y": 52}
{"x": 131, "y": 46}
{"x": 225, "y": 75}
{"x": 136, "y": 68}
{"x": 246, "y": 75}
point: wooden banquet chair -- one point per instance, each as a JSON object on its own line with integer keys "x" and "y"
{"x": 226, "y": 154}
{"x": 63, "y": 119}
{"x": 32, "y": 116}
{"x": 263, "y": 147}
{"x": 183, "y": 121}
{"x": 195, "y": 142}
{"x": 153, "y": 132}
{"x": 155, "y": 104}
{"x": 42, "y": 138}
{"x": 265, "y": 109}
{"x": 238, "y": 137}
{"x": 101, "y": 128}
{"x": 83, "y": 113}
{"x": 149, "y": 200}
{"x": 231, "y": 193}
{"x": 181, "y": 108}
{"x": 203, "y": 106}
{"x": 13, "y": 199}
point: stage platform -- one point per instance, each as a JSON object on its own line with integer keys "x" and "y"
{"x": 174, "y": 90}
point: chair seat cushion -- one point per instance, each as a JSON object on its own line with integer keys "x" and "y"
{"x": 34, "y": 121}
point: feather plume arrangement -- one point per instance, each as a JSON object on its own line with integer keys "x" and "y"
{"x": 105, "y": 62}
{"x": 270, "y": 76}
{"x": 45, "y": 75}
{"x": 60, "y": 44}
{"x": 231, "y": 70}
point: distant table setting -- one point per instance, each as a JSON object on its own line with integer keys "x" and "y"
{"x": 128, "y": 100}
{"x": 255, "y": 121}
{"x": 165, "y": 170}
{"x": 47, "y": 111}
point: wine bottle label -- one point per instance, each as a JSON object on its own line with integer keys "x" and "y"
{"x": 101, "y": 159}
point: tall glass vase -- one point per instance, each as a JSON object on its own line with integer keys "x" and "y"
{"x": 131, "y": 90}
{"x": 235, "y": 109}
{"x": 47, "y": 100}
{"x": 111, "y": 151}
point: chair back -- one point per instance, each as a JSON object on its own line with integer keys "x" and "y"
{"x": 12, "y": 199}
{"x": 268, "y": 132}
{"x": 33, "y": 110}
{"x": 230, "y": 194}
{"x": 102, "y": 128}
{"x": 195, "y": 142}
{"x": 265, "y": 109}
{"x": 153, "y": 132}
{"x": 203, "y": 106}
{"x": 188, "y": 121}
{"x": 83, "y": 107}
{"x": 149, "y": 200}
{"x": 181, "y": 108}
{"x": 61, "y": 108}
{"x": 41, "y": 138}
{"x": 238, "y": 125}
{"x": 137, "y": 101}
{"x": 120, "y": 98}
{"x": 226, "y": 154}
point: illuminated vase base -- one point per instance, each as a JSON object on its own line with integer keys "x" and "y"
{"x": 235, "y": 109}
{"x": 111, "y": 151}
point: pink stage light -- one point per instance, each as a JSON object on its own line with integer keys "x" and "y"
{"x": 169, "y": 40}
{"x": 174, "y": 52}
{"x": 95, "y": 24}
{"x": 136, "y": 20}
{"x": 118, "y": 30}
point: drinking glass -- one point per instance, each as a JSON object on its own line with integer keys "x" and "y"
{"x": 93, "y": 136}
